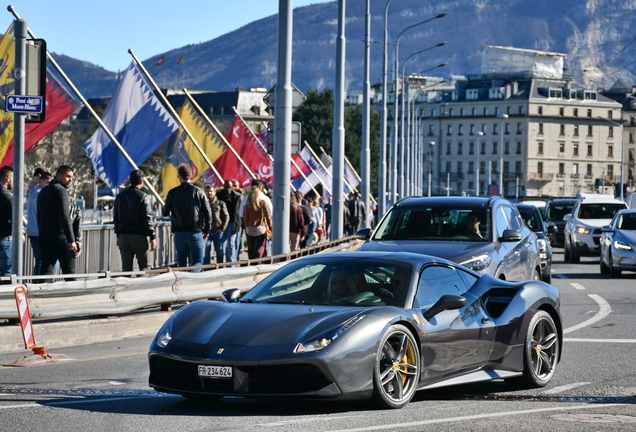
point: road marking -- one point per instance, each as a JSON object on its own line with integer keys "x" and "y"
{"x": 605, "y": 310}
{"x": 578, "y": 286}
{"x": 564, "y": 388}
{"x": 599, "y": 340}
{"x": 396, "y": 426}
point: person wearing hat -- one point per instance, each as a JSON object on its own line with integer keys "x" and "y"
{"x": 132, "y": 216}
{"x": 357, "y": 213}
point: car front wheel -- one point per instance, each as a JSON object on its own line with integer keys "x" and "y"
{"x": 540, "y": 353}
{"x": 397, "y": 368}
{"x": 613, "y": 273}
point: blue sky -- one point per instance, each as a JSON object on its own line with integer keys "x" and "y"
{"x": 102, "y": 31}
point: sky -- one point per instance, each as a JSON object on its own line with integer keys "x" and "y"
{"x": 102, "y": 31}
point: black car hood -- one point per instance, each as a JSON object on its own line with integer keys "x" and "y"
{"x": 248, "y": 324}
{"x": 457, "y": 251}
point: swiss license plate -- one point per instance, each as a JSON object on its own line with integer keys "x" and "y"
{"x": 215, "y": 371}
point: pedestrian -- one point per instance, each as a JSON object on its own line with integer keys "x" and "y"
{"x": 357, "y": 213}
{"x": 75, "y": 213}
{"x": 132, "y": 218}
{"x": 232, "y": 196}
{"x": 313, "y": 222}
{"x": 306, "y": 217}
{"x": 327, "y": 209}
{"x": 218, "y": 224}
{"x": 257, "y": 220}
{"x": 296, "y": 223}
{"x": 6, "y": 216}
{"x": 346, "y": 220}
{"x": 190, "y": 216}
{"x": 55, "y": 228}
{"x": 320, "y": 219}
{"x": 43, "y": 178}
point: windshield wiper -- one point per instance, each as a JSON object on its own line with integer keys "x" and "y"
{"x": 248, "y": 301}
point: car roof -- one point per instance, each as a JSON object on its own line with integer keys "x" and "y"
{"x": 602, "y": 201}
{"x": 563, "y": 201}
{"x": 449, "y": 200}
{"x": 414, "y": 259}
{"x": 523, "y": 206}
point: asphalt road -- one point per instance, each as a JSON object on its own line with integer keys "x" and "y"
{"x": 104, "y": 387}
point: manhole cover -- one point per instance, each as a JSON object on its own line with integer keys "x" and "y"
{"x": 595, "y": 418}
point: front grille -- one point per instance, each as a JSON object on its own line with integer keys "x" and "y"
{"x": 183, "y": 376}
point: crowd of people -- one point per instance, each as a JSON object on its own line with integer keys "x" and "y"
{"x": 207, "y": 223}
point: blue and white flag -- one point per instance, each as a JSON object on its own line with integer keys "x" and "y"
{"x": 140, "y": 123}
{"x": 328, "y": 163}
{"x": 318, "y": 170}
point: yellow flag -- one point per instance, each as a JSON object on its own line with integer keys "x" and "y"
{"x": 181, "y": 150}
{"x": 7, "y": 86}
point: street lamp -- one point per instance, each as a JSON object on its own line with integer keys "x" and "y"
{"x": 620, "y": 192}
{"x": 479, "y": 135}
{"x": 382, "y": 180}
{"x": 501, "y": 158}
{"x": 430, "y": 166}
{"x": 394, "y": 144}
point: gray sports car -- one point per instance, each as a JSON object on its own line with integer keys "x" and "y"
{"x": 360, "y": 325}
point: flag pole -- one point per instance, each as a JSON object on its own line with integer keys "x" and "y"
{"x": 358, "y": 176}
{"x": 354, "y": 171}
{"x": 90, "y": 110}
{"x": 269, "y": 155}
{"x": 211, "y": 123}
{"x": 176, "y": 116}
{"x": 325, "y": 168}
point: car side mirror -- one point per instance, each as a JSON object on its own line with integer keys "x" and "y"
{"x": 510, "y": 236}
{"x": 231, "y": 295}
{"x": 446, "y": 302}
{"x": 364, "y": 233}
{"x": 567, "y": 217}
{"x": 552, "y": 228}
{"x": 606, "y": 228}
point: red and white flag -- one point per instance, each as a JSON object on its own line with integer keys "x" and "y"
{"x": 160, "y": 61}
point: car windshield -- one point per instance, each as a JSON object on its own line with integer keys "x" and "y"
{"x": 531, "y": 218}
{"x": 599, "y": 210}
{"x": 437, "y": 223}
{"x": 336, "y": 281}
{"x": 627, "y": 222}
{"x": 556, "y": 212}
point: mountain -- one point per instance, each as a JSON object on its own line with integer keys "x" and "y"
{"x": 597, "y": 36}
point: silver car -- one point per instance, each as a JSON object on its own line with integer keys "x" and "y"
{"x": 618, "y": 244}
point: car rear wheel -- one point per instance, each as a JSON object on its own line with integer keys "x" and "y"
{"x": 604, "y": 267}
{"x": 613, "y": 273}
{"x": 566, "y": 252}
{"x": 574, "y": 258}
{"x": 540, "y": 352}
{"x": 397, "y": 368}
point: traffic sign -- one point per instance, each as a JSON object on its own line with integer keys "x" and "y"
{"x": 298, "y": 98}
{"x": 24, "y": 104}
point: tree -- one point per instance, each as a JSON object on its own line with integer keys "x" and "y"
{"x": 316, "y": 116}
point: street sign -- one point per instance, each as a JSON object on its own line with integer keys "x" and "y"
{"x": 298, "y": 98}
{"x": 24, "y": 104}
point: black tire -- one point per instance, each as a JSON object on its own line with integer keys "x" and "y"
{"x": 396, "y": 373}
{"x": 566, "y": 252}
{"x": 547, "y": 277}
{"x": 613, "y": 273}
{"x": 536, "y": 275}
{"x": 574, "y": 258}
{"x": 604, "y": 267}
{"x": 540, "y": 352}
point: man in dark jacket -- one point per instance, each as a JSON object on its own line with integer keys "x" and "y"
{"x": 232, "y": 197}
{"x": 56, "y": 237}
{"x": 357, "y": 213}
{"x": 132, "y": 216}
{"x": 190, "y": 218}
{"x": 218, "y": 225}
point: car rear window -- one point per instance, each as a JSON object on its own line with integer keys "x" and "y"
{"x": 556, "y": 212}
{"x": 599, "y": 210}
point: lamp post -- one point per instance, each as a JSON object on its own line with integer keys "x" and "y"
{"x": 501, "y": 133}
{"x": 479, "y": 135}
{"x": 620, "y": 192}
{"x": 430, "y": 166}
{"x": 394, "y": 144}
{"x": 382, "y": 180}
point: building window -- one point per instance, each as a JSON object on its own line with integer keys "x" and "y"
{"x": 483, "y": 148}
{"x": 631, "y": 155}
{"x": 561, "y": 111}
{"x": 507, "y": 129}
{"x": 519, "y": 129}
{"x": 610, "y": 171}
{"x": 460, "y": 130}
{"x": 494, "y": 148}
{"x": 482, "y": 167}
{"x": 506, "y": 147}
{"x": 556, "y": 93}
{"x": 518, "y": 168}
{"x": 460, "y": 168}
{"x": 575, "y": 112}
{"x": 484, "y": 128}
{"x": 431, "y": 130}
{"x": 449, "y": 130}
{"x": 450, "y": 112}
{"x": 539, "y": 169}
{"x": 540, "y": 110}
{"x": 448, "y": 167}
{"x": 589, "y": 150}
{"x": 518, "y": 147}
{"x": 610, "y": 151}
{"x": 540, "y": 129}
{"x": 610, "y": 132}
{"x": 575, "y": 170}
{"x": 561, "y": 147}
{"x": 485, "y": 111}
{"x": 472, "y": 94}
{"x": 448, "y": 148}
{"x": 497, "y": 112}
{"x": 471, "y": 148}
{"x": 460, "y": 148}
{"x": 631, "y": 137}
{"x": 471, "y": 167}
{"x": 589, "y": 131}
{"x": 540, "y": 147}
{"x": 589, "y": 95}
{"x": 589, "y": 113}
{"x": 475, "y": 110}
{"x": 589, "y": 170}
{"x": 562, "y": 130}
{"x": 461, "y": 112}
{"x": 609, "y": 113}
{"x": 575, "y": 149}
{"x": 561, "y": 168}
{"x": 506, "y": 167}
{"x": 495, "y": 129}
{"x": 521, "y": 110}
{"x": 576, "y": 130}
{"x": 472, "y": 129}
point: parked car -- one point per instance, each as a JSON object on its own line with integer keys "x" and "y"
{"x": 618, "y": 244}
{"x": 553, "y": 212}
{"x": 360, "y": 325}
{"x": 583, "y": 225}
{"x": 504, "y": 247}
{"x": 532, "y": 217}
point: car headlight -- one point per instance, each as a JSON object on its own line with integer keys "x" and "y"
{"x": 579, "y": 229}
{"x": 164, "y": 336}
{"x": 323, "y": 340}
{"x": 478, "y": 263}
{"x": 541, "y": 244}
{"x": 623, "y": 246}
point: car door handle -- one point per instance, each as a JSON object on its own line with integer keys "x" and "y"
{"x": 485, "y": 320}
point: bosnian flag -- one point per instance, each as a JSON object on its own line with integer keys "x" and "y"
{"x": 140, "y": 123}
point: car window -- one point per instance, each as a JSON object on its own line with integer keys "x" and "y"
{"x": 457, "y": 223}
{"x": 599, "y": 210}
{"x": 501, "y": 222}
{"x": 557, "y": 212}
{"x": 531, "y": 218}
{"x": 627, "y": 221}
{"x": 469, "y": 279}
{"x": 435, "y": 282}
{"x": 513, "y": 218}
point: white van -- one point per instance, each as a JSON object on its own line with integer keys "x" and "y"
{"x": 630, "y": 200}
